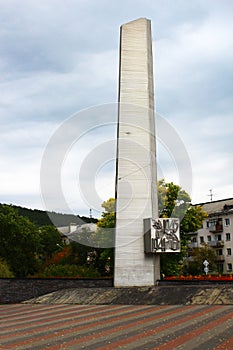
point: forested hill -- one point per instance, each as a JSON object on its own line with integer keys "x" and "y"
{"x": 41, "y": 217}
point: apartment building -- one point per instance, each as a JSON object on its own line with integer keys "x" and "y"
{"x": 217, "y": 232}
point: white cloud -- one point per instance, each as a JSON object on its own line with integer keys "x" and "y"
{"x": 217, "y": 127}
{"x": 59, "y": 57}
{"x": 194, "y": 91}
{"x": 188, "y": 56}
{"x": 53, "y": 95}
{"x": 21, "y": 151}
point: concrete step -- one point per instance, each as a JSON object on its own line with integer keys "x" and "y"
{"x": 156, "y": 295}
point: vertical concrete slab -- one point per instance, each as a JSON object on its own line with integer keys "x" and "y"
{"x": 136, "y": 180}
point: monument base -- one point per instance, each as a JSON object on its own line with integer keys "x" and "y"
{"x": 138, "y": 275}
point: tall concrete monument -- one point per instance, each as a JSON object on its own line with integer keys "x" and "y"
{"x": 136, "y": 180}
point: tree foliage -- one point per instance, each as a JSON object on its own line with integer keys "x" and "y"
{"x": 173, "y": 201}
{"x": 19, "y": 242}
{"x": 107, "y": 223}
{"x": 92, "y": 261}
{"x": 108, "y": 215}
{"x": 194, "y": 264}
{"x": 193, "y": 219}
{"x": 50, "y": 240}
{"x": 24, "y": 246}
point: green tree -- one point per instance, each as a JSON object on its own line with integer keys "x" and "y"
{"x": 106, "y": 226}
{"x": 193, "y": 219}
{"x": 19, "y": 242}
{"x": 194, "y": 264}
{"x": 172, "y": 200}
{"x": 78, "y": 254}
{"x": 50, "y": 240}
{"x": 108, "y": 215}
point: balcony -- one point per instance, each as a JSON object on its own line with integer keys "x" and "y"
{"x": 193, "y": 245}
{"x": 216, "y": 228}
{"x": 216, "y": 244}
{"x": 220, "y": 258}
{"x": 192, "y": 233}
{"x": 215, "y": 225}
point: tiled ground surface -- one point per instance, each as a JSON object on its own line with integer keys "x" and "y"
{"x": 106, "y": 327}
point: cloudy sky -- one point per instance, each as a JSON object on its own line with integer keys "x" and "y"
{"x": 60, "y": 57}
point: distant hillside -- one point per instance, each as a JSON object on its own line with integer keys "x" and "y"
{"x": 41, "y": 217}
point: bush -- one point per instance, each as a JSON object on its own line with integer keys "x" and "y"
{"x": 69, "y": 271}
{"x": 5, "y": 270}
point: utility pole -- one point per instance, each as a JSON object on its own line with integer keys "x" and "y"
{"x": 211, "y": 195}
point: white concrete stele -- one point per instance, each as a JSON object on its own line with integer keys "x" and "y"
{"x": 136, "y": 180}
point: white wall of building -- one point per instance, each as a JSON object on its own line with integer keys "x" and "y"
{"x": 217, "y": 232}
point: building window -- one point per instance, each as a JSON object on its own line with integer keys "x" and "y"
{"x": 201, "y": 239}
{"x": 229, "y": 267}
{"x": 219, "y": 252}
{"x": 227, "y": 222}
{"x": 194, "y": 240}
{"x": 218, "y": 237}
{"x": 228, "y": 236}
{"x": 209, "y": 238}
{"x": 207, "y": 224}
{"x": 220, "y": 267}
{"x": 228, "y": 251}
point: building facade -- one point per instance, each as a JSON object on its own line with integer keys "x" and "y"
{"x": 217, "y": 232}
{"x": 76, "y": 232}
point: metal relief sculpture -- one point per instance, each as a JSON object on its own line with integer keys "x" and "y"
{"x": 167, "y": 235}
{"x": 162, "y": 235}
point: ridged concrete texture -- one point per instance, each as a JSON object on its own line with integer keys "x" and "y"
{"x": 136, "y": 194}
{"x": 158, "y": 295}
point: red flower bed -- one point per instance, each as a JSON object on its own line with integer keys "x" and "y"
{"x": 200, "y": 277}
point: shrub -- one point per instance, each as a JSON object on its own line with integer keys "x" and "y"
{"x": 5, "y": 270}
{"x": 69, "y": 271}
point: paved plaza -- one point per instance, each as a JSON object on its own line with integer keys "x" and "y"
{"x": 57, "y": 326}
